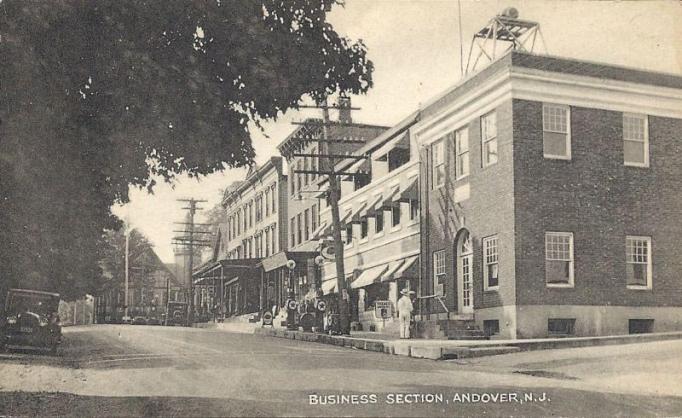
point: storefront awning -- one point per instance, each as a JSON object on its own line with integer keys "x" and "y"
{"x": 329, "y": 287}
{"x": 357, "y": 214}
{"x": 392, "y": 268}
{"x": 368, "y": 276}
{"x": 410, "y": 268}
{"x": 391, "y": 197}
{"x": 321, "y": 231}
{"x": 401, "y": 141}
{"x": 346, "y": 216}
{"x": 360, "y": 166}
{"x": 374, "y": 205}
{"x": 409, "y": 190}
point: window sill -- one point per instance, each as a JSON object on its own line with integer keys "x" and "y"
{"x": 396, "y": 228}
{"x": 636, "y": 287}
{"x": 462, "y": 178}
{"x": 364, "y": 241}
{"x": 636, "y": 165}
{"x": 378, "y": 234}
{"x": 492, "y": 289}
{"x": 557, "y": 157}
{"x": 560, "y": 285}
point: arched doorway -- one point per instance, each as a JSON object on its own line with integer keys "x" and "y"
{"x": 464, "y": 260}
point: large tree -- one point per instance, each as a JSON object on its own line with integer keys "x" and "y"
{"x": 96, "y": 96}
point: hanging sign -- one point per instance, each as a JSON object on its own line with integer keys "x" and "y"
{"x": 383, "y": 309}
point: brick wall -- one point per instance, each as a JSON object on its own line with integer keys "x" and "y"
{"x": 600, "y": 200}
{"x": 488, "y": 211}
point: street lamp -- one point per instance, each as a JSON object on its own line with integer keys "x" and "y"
{"x": 292, "y": 305}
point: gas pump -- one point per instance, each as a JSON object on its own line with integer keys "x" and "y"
{"x": 291, "y": 304}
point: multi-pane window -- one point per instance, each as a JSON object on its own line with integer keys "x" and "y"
{"x": 556, "y": 138}
{"x": 439, "y": 272}
{"x": 292, "y": 231}
{"x": 379, "y": 221}
{"x": 395, "y": 215}
{"x": 267, "y": 242}
{"x": 462, "y": 153}
{"x": 559, "y": 258}
{"x": 259, "y": 208}
{"x": 438, "y": 163}
{"x": 489, "y": 139}
{"x": 490, "y": 263}
{"x": 306, "y": 220}
{"x": 306, "y": 165}
{"x": 273, "y": 238}
{"x": 313, "y": 215}
{"x": 299, "y": 228}
{"x": 267, "y": 202}
{"x": 273, "y": 196}
{"x": 635, "y": 140}
{"x": 638, "y": 262}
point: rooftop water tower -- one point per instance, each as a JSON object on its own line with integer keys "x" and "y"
{"x": 502, "y": 33}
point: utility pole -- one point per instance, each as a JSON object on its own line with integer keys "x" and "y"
{"x": 191, "y": 240}
{"x": 334, "y": 192}
{"x": 127, "y": 267}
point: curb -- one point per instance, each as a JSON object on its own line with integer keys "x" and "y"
{"x": 445, "y": 352}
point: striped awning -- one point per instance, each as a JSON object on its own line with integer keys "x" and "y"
{"x": 369, "y": 276}
{"x": 409, "y": 190}
{"x": 398, "y": 142}
{"x": 392, "y": 268}
{"x": 410, "y": 268}
{"x": 321, "y": 231}
{"x": 329, "y": 287}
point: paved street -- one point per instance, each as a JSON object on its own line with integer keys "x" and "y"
{"x": 141, "y": 370}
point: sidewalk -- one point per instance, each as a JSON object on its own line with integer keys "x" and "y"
{"x": 456, "y": 349}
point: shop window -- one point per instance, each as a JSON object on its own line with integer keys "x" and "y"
{"x": 491, "y": 327}
{"x": 299, "y": 229}
{"x": 314, "y": 214}
{"x": 561, "y": 326}
{"x": 640, "y": 326}
{"x": 556, "y": 137}
{"x": 292, "y": 231}
{"x": 559, "y": 259}
{"x": 374, "y": 292}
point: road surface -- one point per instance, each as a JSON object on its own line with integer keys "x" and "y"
{"x": 106, "y": 370}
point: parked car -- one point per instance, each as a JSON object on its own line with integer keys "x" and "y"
{"x": 126, "y": 319}
{"x": 31, "y": 320}
{"x": 139, "y": 320}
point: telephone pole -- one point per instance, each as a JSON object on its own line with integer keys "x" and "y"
{"x": 191, "y": 239}
{"x": 334, "y": 192}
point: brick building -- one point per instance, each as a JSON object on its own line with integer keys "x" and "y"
{"x": 552, "y": 200}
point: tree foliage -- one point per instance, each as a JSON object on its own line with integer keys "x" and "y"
{"x": 97, "y": 96}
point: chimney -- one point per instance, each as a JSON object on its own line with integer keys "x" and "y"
{"x": 344, "y": 110}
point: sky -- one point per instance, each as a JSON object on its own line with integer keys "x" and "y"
{"x": 415, "y": 48}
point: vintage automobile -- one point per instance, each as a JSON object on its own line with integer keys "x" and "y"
{"x": 139, "y": 320}
{"x": 31, "y": 320}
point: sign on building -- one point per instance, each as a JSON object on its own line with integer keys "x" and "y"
{"x": 383, "y": 309}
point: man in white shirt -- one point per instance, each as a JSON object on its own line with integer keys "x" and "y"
{"x": 405, "y": 313}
